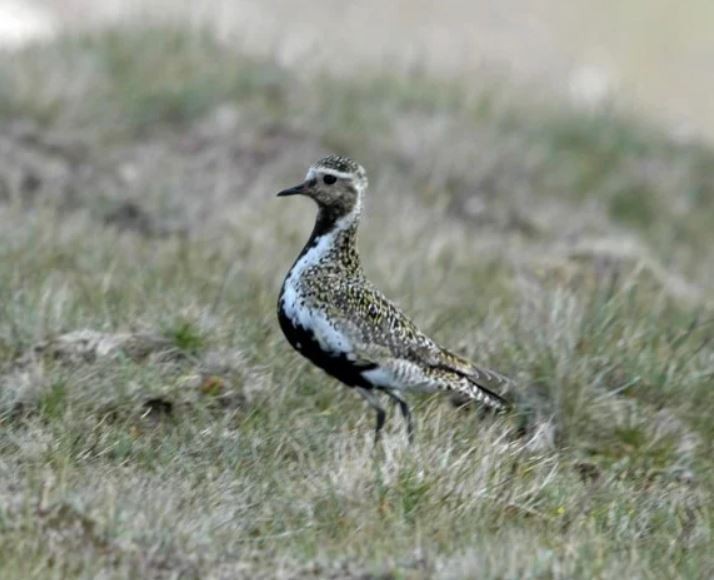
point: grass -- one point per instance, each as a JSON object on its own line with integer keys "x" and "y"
{"x": 569, "y": 250}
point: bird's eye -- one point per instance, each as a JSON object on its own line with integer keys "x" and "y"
{"x": 329, "y": 179}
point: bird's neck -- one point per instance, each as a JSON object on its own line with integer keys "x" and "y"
{"x": 335, "y": 237}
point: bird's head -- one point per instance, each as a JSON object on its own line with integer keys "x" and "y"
{"x": 336, "y": 183}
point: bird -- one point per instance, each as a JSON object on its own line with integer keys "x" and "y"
{"x": 335, "y": 317}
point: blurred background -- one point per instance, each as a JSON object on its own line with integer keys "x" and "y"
{"x": 541, "y": 201}
{"x": 653, "y": 55}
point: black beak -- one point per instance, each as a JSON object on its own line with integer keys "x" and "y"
{"x": 298, "y": 189}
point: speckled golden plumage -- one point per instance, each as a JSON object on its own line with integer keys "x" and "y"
{"x": 335, "y": 317}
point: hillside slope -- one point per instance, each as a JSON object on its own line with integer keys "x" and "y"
{"x": 154, "y": 421}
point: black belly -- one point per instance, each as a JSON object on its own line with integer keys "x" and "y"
{"x": 338, "y": 365}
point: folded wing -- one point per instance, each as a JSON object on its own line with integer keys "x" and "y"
{"x": 403, "y": 357}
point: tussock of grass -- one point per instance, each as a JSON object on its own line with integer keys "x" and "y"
{"x": 137, "y": 202}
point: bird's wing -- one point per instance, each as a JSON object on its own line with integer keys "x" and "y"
{"x": 375, "y": 325}
{"x": 382, "y": 335}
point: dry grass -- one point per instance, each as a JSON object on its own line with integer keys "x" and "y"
{"x": 568, "y": 250}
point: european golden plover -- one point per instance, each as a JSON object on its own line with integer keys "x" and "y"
{"x": 335, "y": 317}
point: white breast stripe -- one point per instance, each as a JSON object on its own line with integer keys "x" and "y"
{"x": 329, "y": 337}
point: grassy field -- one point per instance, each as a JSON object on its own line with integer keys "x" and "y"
{"x": 154, "y": 422}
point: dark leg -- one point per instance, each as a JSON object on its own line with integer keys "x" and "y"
{"x": 406, "y": 413}
{"x": 381, "y": 417}
{"x": 373, "y": 401}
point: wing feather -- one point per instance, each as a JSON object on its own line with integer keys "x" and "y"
{"x": 381, "y": 334}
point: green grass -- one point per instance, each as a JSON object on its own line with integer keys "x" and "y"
{"x": 569, "y": 250}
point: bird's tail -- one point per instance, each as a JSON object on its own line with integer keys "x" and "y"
{"x": 476, "y": 391}
{"x": 468, "y": 382}
{"x": 475, "y": 384}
